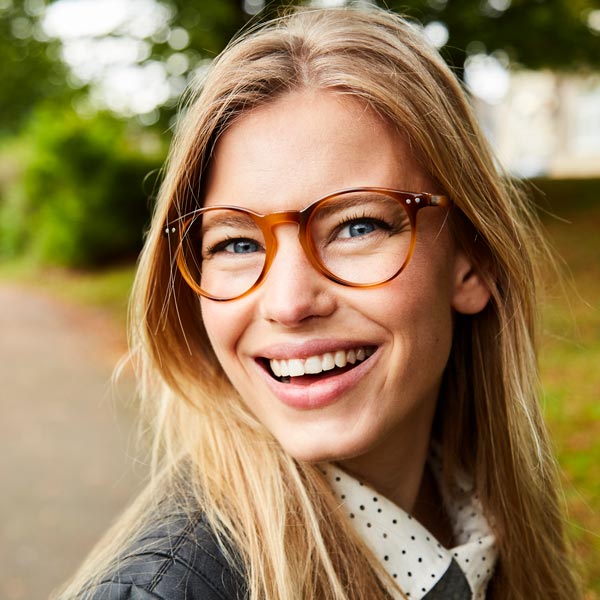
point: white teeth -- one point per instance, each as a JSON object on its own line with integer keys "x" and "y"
{"x": 340, "y": 358}
{"x": 328, "y": 362}
{"x": 276, "y": 368}
{"x": 313, "y": 365}
{"x": 284, "y": 367}
{"x": 296, "y": 367}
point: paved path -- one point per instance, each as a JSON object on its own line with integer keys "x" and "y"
{"x": 66, "y": 466}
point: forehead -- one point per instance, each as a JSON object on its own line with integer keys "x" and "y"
{"x": 305, "y": 145}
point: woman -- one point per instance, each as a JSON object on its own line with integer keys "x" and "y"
{"x": 343, "y": 392}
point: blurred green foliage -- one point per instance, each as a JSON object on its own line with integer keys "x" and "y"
{"x": 77, "y": 194}
{"x": 535, "y": 34}
{"x": 32, "y": 71}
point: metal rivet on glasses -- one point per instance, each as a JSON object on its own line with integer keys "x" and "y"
{"x": 417, "y": 200}
{"x": 408, "y": 201}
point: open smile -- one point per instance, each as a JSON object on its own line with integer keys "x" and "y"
{"x": 318, "y": 366}
{"x": 316, "y": 373}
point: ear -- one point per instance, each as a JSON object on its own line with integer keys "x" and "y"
{"x": 471, "y": 294}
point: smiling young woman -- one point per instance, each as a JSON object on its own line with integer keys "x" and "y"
{"x": 334, "y": 321}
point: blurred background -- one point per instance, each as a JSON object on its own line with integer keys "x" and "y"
{"x": 88, "y": 100}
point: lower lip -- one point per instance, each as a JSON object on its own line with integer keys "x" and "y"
{"x": 321, "y": 392}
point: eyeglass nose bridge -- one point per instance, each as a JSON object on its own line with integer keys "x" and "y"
{"x": 279, "y": 218}
{"x": 267, "y": 224}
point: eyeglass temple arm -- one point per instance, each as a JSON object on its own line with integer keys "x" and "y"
{"x": 439, "y": 200}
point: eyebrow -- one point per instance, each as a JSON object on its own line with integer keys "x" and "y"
{"x": 231, "y": 220}
{"x": 245, "y": 222}
{"x": 345, "y": 203}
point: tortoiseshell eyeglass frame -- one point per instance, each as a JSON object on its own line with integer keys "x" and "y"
{"x": 411, "y": 201}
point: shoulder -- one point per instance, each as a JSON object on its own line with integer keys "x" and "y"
{"x": 179, "y": 558}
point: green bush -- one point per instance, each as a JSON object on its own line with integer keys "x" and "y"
{"x": 80, "y": 193}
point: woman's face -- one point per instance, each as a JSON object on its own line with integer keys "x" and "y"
{"x": 281, "y": 157}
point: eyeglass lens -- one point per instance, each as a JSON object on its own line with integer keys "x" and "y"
{"x": 362, "y": 238}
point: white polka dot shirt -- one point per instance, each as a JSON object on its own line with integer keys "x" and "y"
{"x": 416, "y": 561}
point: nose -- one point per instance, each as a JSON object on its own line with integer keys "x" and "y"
{"x": 294, "y": 291}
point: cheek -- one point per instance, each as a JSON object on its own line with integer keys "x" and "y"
{"x": 420, "y": 321}
{"x": 419, "y": 312}
{"x": 223, "y": 325}
{"x": 424, "y": 290}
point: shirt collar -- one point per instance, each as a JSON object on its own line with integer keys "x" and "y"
{"x": 410, "y": 554}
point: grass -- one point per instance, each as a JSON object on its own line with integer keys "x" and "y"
{"x": 570, "y": 358}
{"x": 570, "y": 365}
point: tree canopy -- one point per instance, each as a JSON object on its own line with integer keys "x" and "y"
{"x": 32, "y": 71}
{"x": 536, "y": 34}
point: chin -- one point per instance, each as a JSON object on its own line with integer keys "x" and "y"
{"x": 315, "y": 451}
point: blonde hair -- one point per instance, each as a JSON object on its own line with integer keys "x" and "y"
{"x": 279, "y": 514}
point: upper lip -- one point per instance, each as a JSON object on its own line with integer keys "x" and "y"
{"x": 305, "y": 349}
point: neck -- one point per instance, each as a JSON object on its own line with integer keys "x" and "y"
{"x": 430, "y": 511}
{"x": 395, "y": 465}
{"x": 396, "y": 474}
{"x": 398, "y": 470}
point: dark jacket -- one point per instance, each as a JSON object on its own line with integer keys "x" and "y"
{"x": 178, "y": 560}
{"x": 181, "y": 559}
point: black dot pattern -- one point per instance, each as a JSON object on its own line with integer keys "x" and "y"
{"x": 409, "y": 552}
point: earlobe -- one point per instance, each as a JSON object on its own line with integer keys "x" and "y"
{"x": 471, "y": 293}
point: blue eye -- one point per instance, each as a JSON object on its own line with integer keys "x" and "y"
{"x": 358, "y": 228}
{"x": 241, "y": 247}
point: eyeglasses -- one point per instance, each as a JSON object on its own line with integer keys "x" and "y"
{"x": 358, "y": 237}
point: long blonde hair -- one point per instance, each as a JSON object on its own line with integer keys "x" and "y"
{"x": 278, "y": 513}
